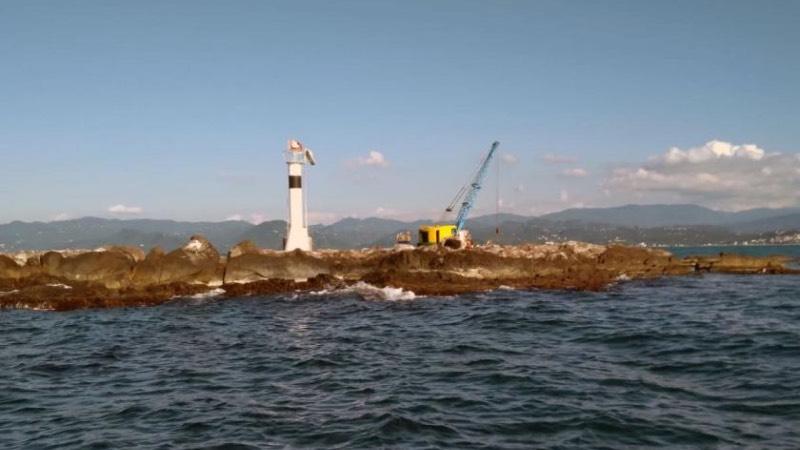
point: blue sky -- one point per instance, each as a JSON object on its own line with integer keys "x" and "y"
{"x": 181, "y": 109}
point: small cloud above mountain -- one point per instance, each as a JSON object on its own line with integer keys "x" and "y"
{"x": 124, "y": 209}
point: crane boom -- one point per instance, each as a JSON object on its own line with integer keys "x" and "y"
{"x": 474, "y": 188}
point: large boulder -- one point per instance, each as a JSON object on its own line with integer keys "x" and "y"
{"x": 246, "y": 264}
{"x": 197, "y": 262}
{"x": 9, "y": 269}
{"x": 135, "y": 253}
{"x": 50, "y": 262}
{"x": 110, "y": 268}
{"x": 242, "y": 248}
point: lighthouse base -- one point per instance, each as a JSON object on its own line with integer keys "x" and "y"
{"x": 297, "y": 239}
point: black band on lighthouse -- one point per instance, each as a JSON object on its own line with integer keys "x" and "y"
{"x": 294, "y": 181}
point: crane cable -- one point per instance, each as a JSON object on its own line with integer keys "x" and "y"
{"x": 497, "y": 202}
{"x": 463, "y": 189}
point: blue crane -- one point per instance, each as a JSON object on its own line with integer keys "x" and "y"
{"x": 469, "y": 192}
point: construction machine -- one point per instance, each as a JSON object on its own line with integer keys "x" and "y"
{"x": 454, "y": 235}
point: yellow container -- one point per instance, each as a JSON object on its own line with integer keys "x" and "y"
{"x": 436, "y": 234}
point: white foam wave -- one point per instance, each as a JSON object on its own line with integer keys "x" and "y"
{"x": 59, "y": 285}
{"x": 209, "y": 294}
{"x": 370, "y": 292}
{"x": 32, "y": 308}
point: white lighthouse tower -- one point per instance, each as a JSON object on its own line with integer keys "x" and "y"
{"x": 297, "y": 230}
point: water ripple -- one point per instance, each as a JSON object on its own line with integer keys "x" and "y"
{"x": 688, "y": 362}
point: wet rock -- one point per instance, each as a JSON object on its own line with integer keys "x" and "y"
{"x": 282, "y": 286}
{"x": 59, "y": 297}
{"x": 732, "y": 263}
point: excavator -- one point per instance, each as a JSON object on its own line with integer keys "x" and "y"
{"x": 453, "y": 235}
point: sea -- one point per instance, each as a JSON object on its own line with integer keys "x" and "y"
{"x": 706, "y": 361}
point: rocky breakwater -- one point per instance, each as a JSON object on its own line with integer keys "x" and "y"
{"x": 108, "y": 277}
{"x": 124, "y": 276}
{"x": 441, "y": 271}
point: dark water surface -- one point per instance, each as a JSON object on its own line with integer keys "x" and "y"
{"x": 694, "y": 362}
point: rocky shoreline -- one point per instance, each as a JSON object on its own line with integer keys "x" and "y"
{"x": 119, "y": 276}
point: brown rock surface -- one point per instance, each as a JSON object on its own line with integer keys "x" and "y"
{"x": 248, "y": 264}
{"x": 197, "y": 262}
{"x": 9, "y": 269}
{"x": 732, "y": 263}
{"x": 111, "y": 269}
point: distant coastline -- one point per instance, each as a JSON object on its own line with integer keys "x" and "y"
{"x": 659, "y": 226}
{"x": 755, "y": 250}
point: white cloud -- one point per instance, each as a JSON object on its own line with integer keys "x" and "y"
{"x": 258, "y": 217}
{"x": 314, "y": 217}
{"x": 505, "y": 204}
{"x": 552, "y": 158}
{"x": 509, "y": 158}
{"x": 61, "y": 217}
{"x": 575, "y": 173}
{"x": 123, "y": 209}
{"x": 373, "y": 159}
{"x": 385, "y": 212}
{"x": 254, "y": 218}
{"x": 717, "y": 174}
{"x": 713, "y": 150}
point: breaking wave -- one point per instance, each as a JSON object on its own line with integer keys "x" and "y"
{"x": 370, "y": 292}
{"x": 209, "y": 294}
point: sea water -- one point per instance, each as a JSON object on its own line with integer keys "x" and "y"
{"x": 690, "y": 362}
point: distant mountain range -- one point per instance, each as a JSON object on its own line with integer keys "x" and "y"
{"x": 650, "y": 216}
{"x": 651, "y": 224}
